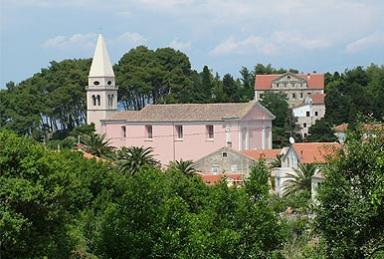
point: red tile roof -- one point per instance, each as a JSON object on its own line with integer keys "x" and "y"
{"x": 318, "y": 98}
{"x": 341, "y": 128}
{"x": 344, "y": 126}
{"x": 314, "y": 81}
{"x": 210, "y": 178}
{"x": 258, "y": 154}
{"x": 315, "y": 152}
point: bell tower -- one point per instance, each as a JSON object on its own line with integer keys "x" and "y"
{"x": 101, "y": 89}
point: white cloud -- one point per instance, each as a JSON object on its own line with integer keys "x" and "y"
{"x": 131, "y": 38}
{"x": 88, "y": 41}
{"x": 51, "y": 3}
{"x": 83, "y": 41}
{"x": 276, "y": 43}
{"x": 166, "y": 3}
{"x": 180, "y": 45}
{"x": 372, "y": 40}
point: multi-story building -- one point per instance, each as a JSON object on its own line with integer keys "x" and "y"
{"x": 295, "y": 86}
{"x": 174, "y": 131}
{"x": 305, "y": 95}
{"x": 307, "y": 113}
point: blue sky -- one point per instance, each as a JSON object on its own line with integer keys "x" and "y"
{"x": 321, "y": 35}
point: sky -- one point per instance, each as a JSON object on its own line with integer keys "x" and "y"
{"x": 308, "y": 35}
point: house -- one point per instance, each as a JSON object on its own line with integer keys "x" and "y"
{"x": 232, "y": 164}
{"x": 174, "y": 131}
{"x": 307, "y": 113}
{"x": 369, "y": 128}
{"x": 295, "y": 86}
{"x": 305, "y": 94}
{"x": 302, "y": 153}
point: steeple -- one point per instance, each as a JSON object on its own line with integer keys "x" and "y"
{"x": 101, "y": 89}
{"x": 101, "y": 64}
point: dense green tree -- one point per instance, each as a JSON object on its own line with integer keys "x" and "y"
{"x": 42, "y": 194}
{"x": 321, "y": 131}
{"x": 183, "y": 166}
{"x": 300, "y": 179}
{"x": 131, "y": 159}
{"x": 355, "y": 92}
{"x": 284, "y": 125}
{"x": 248, "y": 81}
{"x": 350, "y": 216}
{"x": 230, "y": 89}
{"x": 51, "y": 100}
{"x": 97, "y": 145}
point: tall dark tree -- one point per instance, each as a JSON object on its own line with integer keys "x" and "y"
{"x": 247, "y": 81}
{"x": 321, "y": 131}
{"x": 284, "y": 125}
{"x": 350, "y": 216}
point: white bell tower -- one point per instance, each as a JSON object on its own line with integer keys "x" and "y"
{"x": 101, "y": 89}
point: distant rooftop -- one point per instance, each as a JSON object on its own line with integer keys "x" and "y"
{"x": 189, "y": 112}
{"x": 314, "y": 80}
{"x": 315, "y": 152}
{"x": 259, "y": 154}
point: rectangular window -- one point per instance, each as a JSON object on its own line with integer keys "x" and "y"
{"x": 301, "y": 95}
{"x": 210, "y": 133}
{"x": 308, "y": 114}
{"x": 123, "y": 132}
{"x": 293, "y": 96}
{"x": 215, "y": 169}
{"x": 304, "y": 125}
{"x": 148, "y": 131}
{"x": 316, "y": 113}
{"x": 179, "y": 131}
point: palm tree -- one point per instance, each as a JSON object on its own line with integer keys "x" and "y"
{"x": 184, "y": 166}
{"x": 300, "y": 179}
{"x": 276, "y": 162}
{"x": 131, "y": 159}
{"x": 97, "y": 145}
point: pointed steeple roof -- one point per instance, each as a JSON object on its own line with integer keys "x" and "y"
{"x": 101, "y": 64}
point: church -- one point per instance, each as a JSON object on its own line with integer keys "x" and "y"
{"x": 174, "y": 131}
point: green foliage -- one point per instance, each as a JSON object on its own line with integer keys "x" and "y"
{"x": 321, "y": 131}
{"x": 60, "y": 205}
{"x": 257, "y": 184}
{"x": 130, "y": 160}
{"x": 184, "y": 167}
{"x": 50, "y": 100}
{"x": 283, "y": 126}
{"x": 97, "y": 145}
{"x": 350, "y": 216}
{"x": 41, "y": 195}
{"x": 356, "y": 91}
{"x": 300, "y": 179}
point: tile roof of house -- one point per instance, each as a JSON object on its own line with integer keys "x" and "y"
{"x": 189, "y": 112}
{"x": 315, "y": 152}
{"x": 314, "y": 81}
{"x": 344, "y": 126}
{"x": 266, "y": 154}
{"x": 318, "y": 98}
{"x": 341, "y": 127}
{"x": 210, "y": 178}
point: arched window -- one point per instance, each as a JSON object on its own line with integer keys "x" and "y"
{"x": 94, "y": 100}
{"x": 98, "y": 100}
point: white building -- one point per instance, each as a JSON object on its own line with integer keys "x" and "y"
{"x": 311, "y": 110}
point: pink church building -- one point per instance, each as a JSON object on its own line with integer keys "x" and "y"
{"x": 174, "y": 131}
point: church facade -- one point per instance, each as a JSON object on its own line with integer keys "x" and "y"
{"x": 174, "y": 131}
